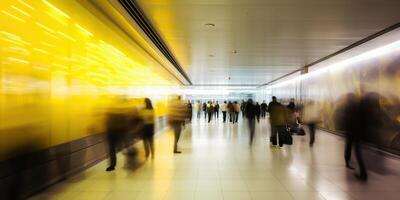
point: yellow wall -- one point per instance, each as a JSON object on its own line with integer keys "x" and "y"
{"x": 58, "y": 63}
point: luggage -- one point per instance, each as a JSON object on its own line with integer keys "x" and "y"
{"x": 285, "y": 137}
{"x": 296, "y": 129}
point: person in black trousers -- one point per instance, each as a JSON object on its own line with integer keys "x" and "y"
{"x": 250, "y": 111}
{"x": 263, "y": 108}
{"x": 257, "y": 108}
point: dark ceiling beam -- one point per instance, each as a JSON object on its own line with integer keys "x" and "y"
{"x": 140, "y": 18}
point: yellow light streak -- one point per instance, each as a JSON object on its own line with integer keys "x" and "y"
{"x": 12, "y": 16}
{"x": 18, "y": 60}
{"x": 41, "y": 51}
{"x": 51, "y": 35}
{"x": 25, "y": 4}
{"x": 13, "y": 41}
{"x": 21, "y": 11}
{"x": 56, "y": 9}
{"x": 47, "y": 44}
{"x": 45, "y": 27}
{"x": 84, "y": 30}
{"x": 67, "y": 36}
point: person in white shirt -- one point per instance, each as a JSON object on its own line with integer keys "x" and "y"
{"x": 224, "y": 109}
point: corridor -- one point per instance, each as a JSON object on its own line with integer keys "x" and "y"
{"x": 218, "y": 163}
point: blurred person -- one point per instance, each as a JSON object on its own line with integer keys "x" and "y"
{"x": 236, "y": 108}
{"x": 210, "y": 110}
{"x": 291, "y": 106}
{"x": 176, "y": 117}
{"x": 257, "y": 111}
{"x": 311, "y": 118}
{"x": 351, "y": 122}
{"x": 263, "y": 108}
{"x": 205, "y": 110}
{"x": 190, "y": 110}
{"x": 147, "y": 115}
{"x": 278, "y": 120}
{"x": 224, "y": 109}
{"x": 216, "y": 110}
{"x": 118, "y": 124}
{"x": 231, "y": 111}
{"x": 197, "y": 109}
{"x": 250, "y": 111}
{"x": 243, "y": 108}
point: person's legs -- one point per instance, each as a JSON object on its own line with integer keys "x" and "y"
{"x": 252, "y": 129}
{"x": 209, "y": 117}
{"x": 311, "y": 127}
{"x": 217, "y": 114}
{"x": 151, "y": 145}
{"x": 177, "y": 134}
{"x": 358, "y": 153}
{"x": 237, "y": 116}
{"x": 347, "y": 151}
{"x": 230, "y": 116}
{"x": 112, "y": 145}
{"x": 273, "y": 138}
{"x": 224, "y": 116}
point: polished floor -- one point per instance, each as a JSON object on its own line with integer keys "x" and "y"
{"x": 218, "y": 163}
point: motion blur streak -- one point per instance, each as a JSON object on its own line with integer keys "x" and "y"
{"x": 58, "y": 61}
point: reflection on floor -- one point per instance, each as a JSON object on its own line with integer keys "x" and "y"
{"x": 218, "y": 163}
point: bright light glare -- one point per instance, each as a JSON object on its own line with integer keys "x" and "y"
{"x": 381, "y": 51}
{"x": 56, "y": 9}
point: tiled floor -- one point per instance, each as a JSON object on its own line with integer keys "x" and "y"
{"x": 218, "y": 163}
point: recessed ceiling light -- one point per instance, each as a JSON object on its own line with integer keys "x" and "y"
{"x": 210, "y": 55}
{"x": 234, "y": 51}
{"x": 209, "y": 24}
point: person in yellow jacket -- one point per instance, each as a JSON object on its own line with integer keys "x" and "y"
{"x": 147, "y": 115}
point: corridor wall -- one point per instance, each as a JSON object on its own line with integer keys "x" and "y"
{"x": 373, "y": 74}
{"x": 60, "y": 67}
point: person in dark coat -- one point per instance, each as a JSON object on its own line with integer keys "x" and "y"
{"x": 263, "y": 108}
{"x": 205, "y": 110}
{"x": 258, "y": 112}
{"x": 250, "y": 111}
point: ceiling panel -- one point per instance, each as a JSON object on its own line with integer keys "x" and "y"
{"x": 256, "y": 41}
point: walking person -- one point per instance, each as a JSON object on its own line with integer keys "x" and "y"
{"x": 197, "y": 109}
{"x": 278, "y": 120}
{"x": 263, "y": 108}
{"x": 147, "y": 115}
{"x": 250, "y": 111}
{"x": 257, "y": 109}
{"x": 231, "y": 112}
{"x": 311, "y": 119}
{"x": 205, "y": 110}
{"x": 236, "y": 109}
{"x": 243, "y": 108}
{"x": 210, "y": 110}
{"x": 224, "y": 109}
{"x": 216, "y": 110}
{"x": 176, "y": 117}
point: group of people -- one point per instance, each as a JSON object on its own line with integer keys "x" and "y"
{"x": 230, "y": 110}
{"x": 353, "y": 117}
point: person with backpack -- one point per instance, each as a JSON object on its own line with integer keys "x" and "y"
{"x": 278, "y": 118}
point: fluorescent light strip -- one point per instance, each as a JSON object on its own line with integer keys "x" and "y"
{"x": 83, "y": 30}
{"x": 67, "y": 36}
{"x": 41, "y": 51}
{"x": 25, "y": 4}
{"x": 380, "y": 51}
{"x": 56, "y": 9}
{"x": 13, "y": 16}
{"x": 18, "y": 60}
{"x": 45, "y": 27}
{"x": 21, "y": 11}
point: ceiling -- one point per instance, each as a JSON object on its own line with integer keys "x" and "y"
{"x": 256, "y": 41}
